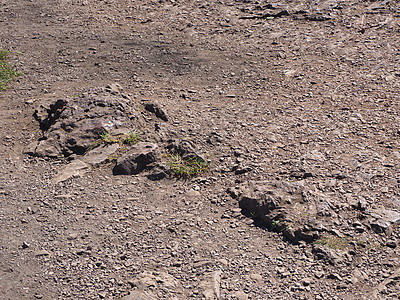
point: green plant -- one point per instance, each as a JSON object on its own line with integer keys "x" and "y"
{"x": 106, "y": 137}
{"x": 7, "y": 72}
{"x": 275, "y": 224}
{"x": 333, "y": 242}
{"x": 186, "y": 167}
{"x": 131, "y": 139}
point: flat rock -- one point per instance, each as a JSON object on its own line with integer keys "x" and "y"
{"x": 74, "y": 169}
{"x": 100, "y": 154}
{"x": 42, "y": 253}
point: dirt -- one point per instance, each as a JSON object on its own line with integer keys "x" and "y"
{"x": 274, "y": 95}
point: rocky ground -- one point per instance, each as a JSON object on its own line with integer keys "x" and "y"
{"x": 294, "y": 107}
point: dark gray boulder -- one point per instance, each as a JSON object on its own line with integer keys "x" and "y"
{"x": 138, "y": 158}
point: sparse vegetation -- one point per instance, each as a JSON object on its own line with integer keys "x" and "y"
{"x": 131, "y": 139}
{"x": 275, "y": 224}
{"x": 105, "y": 137}
{"x": 333, "y": 242}
{"x": 7, "y": 72}
{"x": 188, "y": 167}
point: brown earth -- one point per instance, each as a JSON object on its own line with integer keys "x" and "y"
{"x": 283, "y": 98}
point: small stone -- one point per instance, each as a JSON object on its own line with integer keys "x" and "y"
{"x": 334, "y": 276}
{"x": 306, "y": 281}
{"x": 38, "y": 296}
{"x": 193, "y": 194}
{"x": 157, "y": 110}
{"x": 42, "y": 253}
{"x": 391, "y": 244}
{"x": 319, "y": 274}
{"x": 240, "y": 295}
{"x": 256, "y": 277}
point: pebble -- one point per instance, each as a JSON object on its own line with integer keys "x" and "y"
{"x": 391, "y": 243}
{"x": 42, "y": 253}
{"x": 240, "y": 295}
{"x": 256, "y": 277}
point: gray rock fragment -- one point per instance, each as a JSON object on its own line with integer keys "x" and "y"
{"x": 155, "y": 108}
{"x": 210, "y": 285}
{"x": 385, "y": 221}
{"x": 138, "y": 158}
{"x": 100, "y": 154}
{"x": 74, "y": 126}
{"x": 139, "y": 295}
{"x": 73, "y": 169}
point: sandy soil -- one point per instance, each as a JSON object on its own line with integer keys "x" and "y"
{"x": 288, "y": 91}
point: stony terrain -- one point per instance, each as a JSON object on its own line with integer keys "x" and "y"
{"x": 293, "y": 105}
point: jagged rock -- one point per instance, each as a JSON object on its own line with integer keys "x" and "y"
{"x": 329, "y": 255}
{"x": 46, "y": 116}
{"x": 155, "y": 108}
{"x": 136, "y": 159}
{"x": 385, "y": 221}
{"x": 183, "y": 148}
{"x": 159, "y": 172}
{"x": 281, "y": 206}
{"x": 73, "y": 126}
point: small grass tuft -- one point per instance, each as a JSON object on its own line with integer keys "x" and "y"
{"x": 188, "y": 167}
{"x": 333, "y": 242}
{"x": 106, "y": 137}
{"x": 7, "y": 72}
{"x": 131, "y": 139}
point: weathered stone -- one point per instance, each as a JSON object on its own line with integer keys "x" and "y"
{"x": 155, "y": 108}
{"x": 73, "y": 169}
{"x": 279, "y": 206}
{"x": 240, "y": 295}
{"x": 147, "y": 281}
{"x": 385, "y": 221}
{"x": 42, "y": 148}
{"x": 329, "y": 255}
{"x": 210, "y": 285}
{"x": 139, "y": 295}
{"x": 73, "y": 126}
{"x": 100, "y": 154}
{"x": 183, "y": 148}
{"x": 136, "y": 159}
